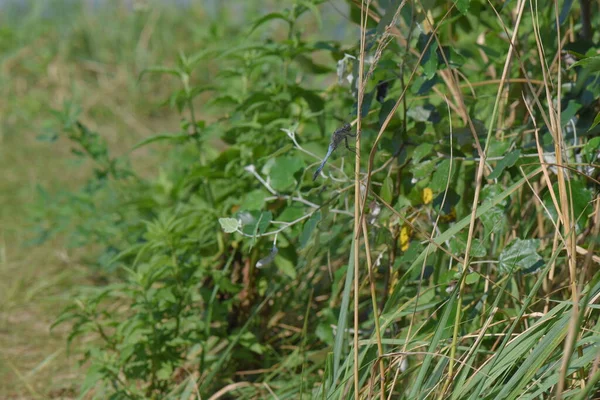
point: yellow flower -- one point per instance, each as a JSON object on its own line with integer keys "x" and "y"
{"x": 427, "y": 195}
{"x": 405, "y": 234}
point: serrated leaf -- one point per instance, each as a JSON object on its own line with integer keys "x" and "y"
{"x": 508, "y": 161}
{"x": 229, "y": 225}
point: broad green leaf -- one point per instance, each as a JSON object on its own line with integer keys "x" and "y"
{"x": 497, "y": 148}
{"x": 508, "y": 161}
{"x": 441, "y": 176}
{"x": 421, "y": 151}
{"x": 254, "y": 200}
{"x": 283, "y": 170}
{"x": 494, "y": 221}
{"x": 519, "y": 255}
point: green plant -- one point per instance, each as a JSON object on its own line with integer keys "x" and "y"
{"x": 452, "y": 246}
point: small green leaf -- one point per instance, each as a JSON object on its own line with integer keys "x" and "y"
{"x": 229, "y": 225}
{"x": 596, "y": 122}
{"x": 387, "y": 189}
{"x": 472, "y": 278}
{"x": 309, "y": 227}
{"x": 591, "y": 147}
{"x": 463, "y": 6}
{"x": 255, "y": 222}
{"x": 267, "y": 18}
{"x": 286, "y": 266}
{"x": 178, "y": 138}
{"x": 508, "y": 161}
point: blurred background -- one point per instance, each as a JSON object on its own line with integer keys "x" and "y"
{"x": 89, "y": 52}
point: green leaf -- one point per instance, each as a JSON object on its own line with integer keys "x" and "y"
{"x": 596, "y": 122}
{"x": 267, "y": 18}
{"x": 463, "y": 6}
{"x": 458, "y": 245}
{"x": 254, "y": 200}
{"x": 309, "y": 227}
{"x": 591, "y": 147}
{"x": 472, "y": 278}
{"x": 508, "y": 161}
{"x": 421, "y": 151}
{"x": 255, "y": 222}
{"x": 578, "y": 195}
{"x": 387, "y": 189}
{"x": 283, "y": 170}
{"x": 313, "y": 99}
{"x": 494, "y": 221}
{"x": 569, "y": 112}
{"x": 441, "y": 175}
{"x": 286, "y": 266}
{"x": 592, "y": 63}
{"x": 178, "y": 138}
{"x": 497, "y": 148}
{"x": 229, "y": 225}
{"x": 160, "y": 70}
{"x": 519, "y": 254}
